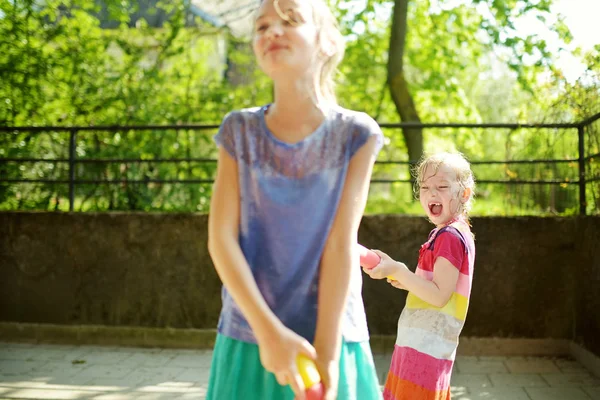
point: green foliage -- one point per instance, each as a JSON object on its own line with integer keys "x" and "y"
{"x": 468, "y": 61}
{"x": 578, "y": 101}
{"x": 59, "y": 67}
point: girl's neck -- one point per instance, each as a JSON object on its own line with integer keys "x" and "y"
{"x": 295, "y": 113}
{"x": 294, "y": 97}
{"x": 450, "y": 221}
{"x": 290, "y": 108}
{"x": 300, "y": 90}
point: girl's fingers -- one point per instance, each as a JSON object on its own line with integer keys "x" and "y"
{"x": 330, "y": 394}
{"x": 397, "y": 285}
{"x": 281, "y": 378}
{"x": 307, "y": 349}
{"x": 380, "y": 253}
{"x": 293, "y": 379}
{"x": 297, "y": 385}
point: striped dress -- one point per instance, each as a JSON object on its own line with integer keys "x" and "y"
{"x": 427, "y": 338}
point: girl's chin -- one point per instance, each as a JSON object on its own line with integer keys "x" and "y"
{"x": 434, "y": 219}
{"x": 439, "y": 219}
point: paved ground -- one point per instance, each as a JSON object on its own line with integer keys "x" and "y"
{"x": 30, "y": 371}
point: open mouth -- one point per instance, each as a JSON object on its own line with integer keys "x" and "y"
{"x": 435, "y": 209}
{"x": 274, "y": 48}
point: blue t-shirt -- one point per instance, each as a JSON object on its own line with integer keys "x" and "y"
{"x": 289, "y": 195}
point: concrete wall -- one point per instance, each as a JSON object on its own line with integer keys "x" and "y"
{"x": 112, "y": 269}
{"x": 587, "y": 293}
{"x": 534, "y": 277}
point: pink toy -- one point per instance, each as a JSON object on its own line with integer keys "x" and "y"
{"x": 315, "y": 392}
{"x": 368, "y": 258}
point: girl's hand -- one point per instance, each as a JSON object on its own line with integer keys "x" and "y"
{"x": 387, "y": 268}
{"x": 278, "y": 352}
{"x": 330, "y": 373}
{"x": 397, "y": 284}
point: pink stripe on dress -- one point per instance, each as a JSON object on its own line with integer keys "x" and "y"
{"x": 428, "y": 372}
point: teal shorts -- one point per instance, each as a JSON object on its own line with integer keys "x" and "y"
{"x": 237, "y": 374}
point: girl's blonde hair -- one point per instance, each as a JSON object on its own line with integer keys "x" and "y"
{"x": 461, "y": 167}
{"x": 332, "y": 45}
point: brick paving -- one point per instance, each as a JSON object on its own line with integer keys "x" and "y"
{"x": 41, "y": 371}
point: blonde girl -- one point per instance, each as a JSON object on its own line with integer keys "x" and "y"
{"x": 291, "y": 187}
{"x": 439, "y": 289}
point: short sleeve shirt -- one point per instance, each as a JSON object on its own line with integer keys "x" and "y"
{"x": 289, "y": 195}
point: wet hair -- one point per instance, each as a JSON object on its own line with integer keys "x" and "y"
{"x": 329, "y": 35}
{"x": 331, "y": 42}
{"x": 457, "y": 163}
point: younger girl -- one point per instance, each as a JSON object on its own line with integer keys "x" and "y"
{"x": 291, "y": 187}
{"x": 439, "y": 290}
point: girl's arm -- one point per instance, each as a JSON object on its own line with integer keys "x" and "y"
{"x": 339, "y": 256}
{"x": 278, "y": 345}
{"x": 225, "y": 251}
{"x": 436, "y": 292}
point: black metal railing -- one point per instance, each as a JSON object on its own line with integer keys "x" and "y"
{"x": 73, "y": 160}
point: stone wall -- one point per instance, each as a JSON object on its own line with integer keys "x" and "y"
{"x": 534, "y": 277}
{"x": 587, "y": 285}
{"x": 107, "y": 269}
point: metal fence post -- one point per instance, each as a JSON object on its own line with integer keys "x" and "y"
{"x": 581, "y": 162}
{"x": 72, "y": 155}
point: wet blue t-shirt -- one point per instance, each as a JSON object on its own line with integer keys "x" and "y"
{"x": 289, "y": 195}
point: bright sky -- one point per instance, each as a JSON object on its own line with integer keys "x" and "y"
{"x": 581, "y": 16}
{"x": 582, "y": 19}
